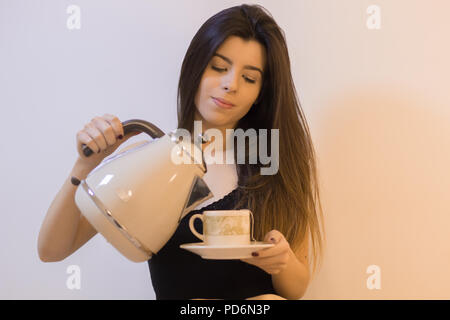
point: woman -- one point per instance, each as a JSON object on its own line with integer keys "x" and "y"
{"x": 235, "y": 75}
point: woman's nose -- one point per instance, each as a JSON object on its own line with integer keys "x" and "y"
{"x": 230, "y": 82}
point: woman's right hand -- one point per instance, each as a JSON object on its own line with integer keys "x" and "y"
{"x": 103, "y": 135}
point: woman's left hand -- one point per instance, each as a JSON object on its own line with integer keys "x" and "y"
{"x": 275, "y": 259}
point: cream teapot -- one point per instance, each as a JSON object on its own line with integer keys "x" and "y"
{"x": 137, "y": 198}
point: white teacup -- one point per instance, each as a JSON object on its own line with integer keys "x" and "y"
{"x": 224, "y": 227}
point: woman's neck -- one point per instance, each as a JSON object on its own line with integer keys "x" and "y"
{"x": 225, "y": 140}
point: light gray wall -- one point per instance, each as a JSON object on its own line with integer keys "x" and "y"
{"x": 376, "y": 102}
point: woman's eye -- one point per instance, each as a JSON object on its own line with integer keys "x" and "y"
{"x": 222, "y": 70}
{"x": 218, "y": 69}
{"x": 249, "y": 80}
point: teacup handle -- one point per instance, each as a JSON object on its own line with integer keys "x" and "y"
{"x": 253, "y": 226}
{"x": 191, "y": 225}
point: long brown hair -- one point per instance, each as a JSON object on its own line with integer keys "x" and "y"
{"x": 289, "y": 200}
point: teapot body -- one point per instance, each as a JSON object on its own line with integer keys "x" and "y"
{"x": 137, "y": 199}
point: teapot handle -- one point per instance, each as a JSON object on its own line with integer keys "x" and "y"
{"x": 133, "y": 125}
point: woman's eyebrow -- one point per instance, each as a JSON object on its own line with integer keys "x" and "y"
{"x": 231, "y": 62}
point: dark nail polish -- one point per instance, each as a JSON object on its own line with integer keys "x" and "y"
{"x": 75, "y": 181}
{"x": 255, "y": 254}
{"x": 120, "y": 136}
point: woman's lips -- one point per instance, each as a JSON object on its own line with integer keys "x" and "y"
{"x": 222, "y": 104}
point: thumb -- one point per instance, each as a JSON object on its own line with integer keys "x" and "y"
{"x": 120, "y": 141}
{"x": 125, "y": 138}
{"x": 270, "y": 237}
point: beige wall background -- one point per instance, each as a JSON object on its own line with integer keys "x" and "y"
{"x": 378, "y": 103}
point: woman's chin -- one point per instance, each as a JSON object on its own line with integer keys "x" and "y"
{"x": 212, "y": 122}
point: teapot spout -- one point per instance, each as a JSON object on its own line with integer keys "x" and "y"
{"x": 199, "y": 193}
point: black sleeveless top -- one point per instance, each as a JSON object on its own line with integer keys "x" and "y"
{"x": 178, "y": 274}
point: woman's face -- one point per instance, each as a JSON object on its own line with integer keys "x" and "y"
{"x": 232, "y": 75}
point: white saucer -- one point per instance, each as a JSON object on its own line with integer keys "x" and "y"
{"x": 225, "y": 252}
